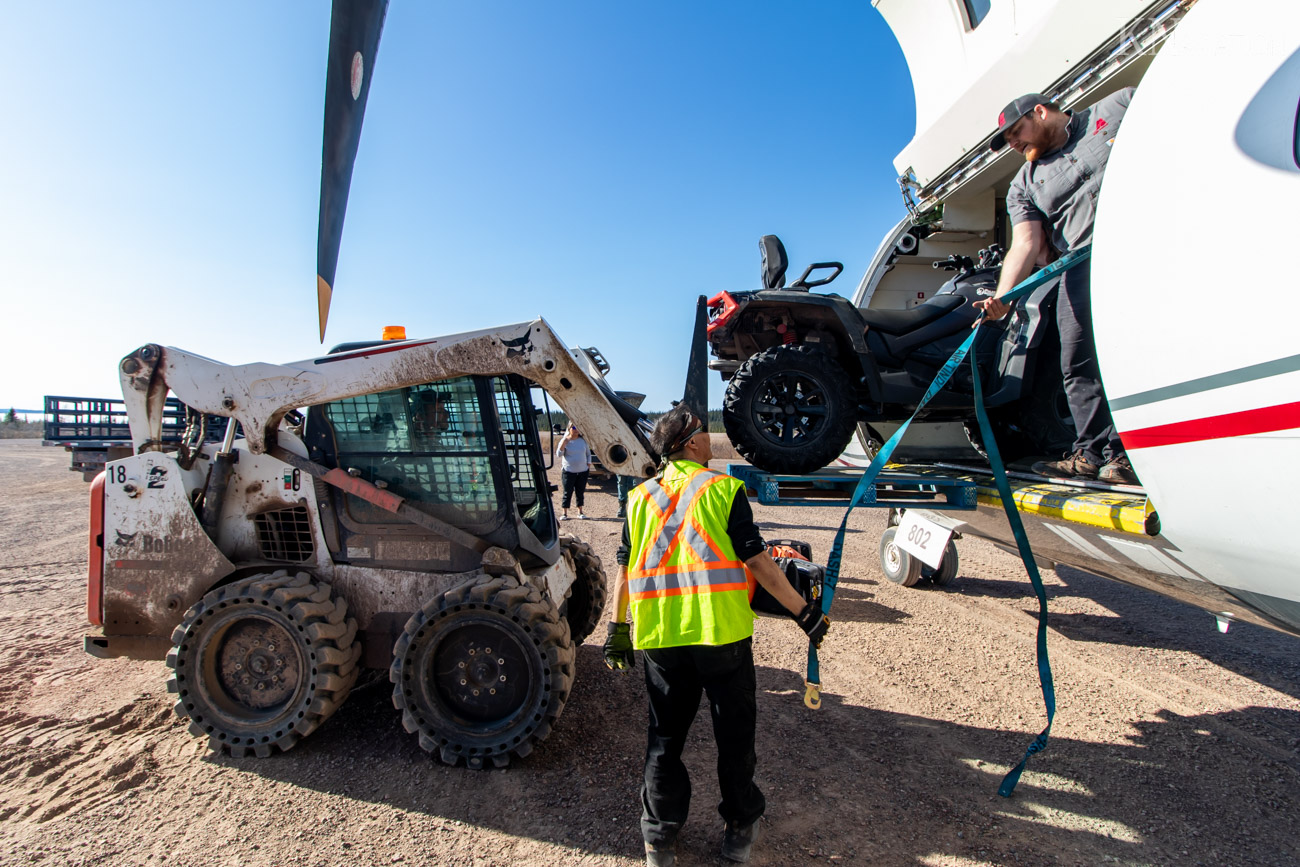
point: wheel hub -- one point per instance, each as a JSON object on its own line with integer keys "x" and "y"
{"x": 257, "y": 664}
{"x": 481, "y": 673}
{"x": 790, "y": 408}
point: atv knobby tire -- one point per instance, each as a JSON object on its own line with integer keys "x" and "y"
{"x": 584, "y": 607}
{"x": 790, "y": 409}
{"x": 262, "y": 662}
{"x": 482, "y": 672}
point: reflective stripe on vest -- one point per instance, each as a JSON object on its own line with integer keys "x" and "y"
{"x": 709, "y": 571}
{"x": 685, "y": 582}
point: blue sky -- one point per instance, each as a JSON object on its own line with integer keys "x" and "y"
{"x": 597, "y": 163}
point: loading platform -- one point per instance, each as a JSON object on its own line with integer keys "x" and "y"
{"x": 1108, "y": 530}
{"x": 899, "y": 487}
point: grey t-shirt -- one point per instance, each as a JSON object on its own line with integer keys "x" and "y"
{"x": 1061, "y": 188}
{"x": 574, "y": 456}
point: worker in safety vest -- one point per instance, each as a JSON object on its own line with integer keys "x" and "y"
{"x": 687, "y": 566}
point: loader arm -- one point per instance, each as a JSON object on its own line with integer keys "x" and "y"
{"x": 258, "y": 395}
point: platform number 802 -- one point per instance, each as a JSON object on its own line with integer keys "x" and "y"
{"x": 918, "y": 535}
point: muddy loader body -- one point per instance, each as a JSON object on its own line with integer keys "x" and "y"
{"x": 385, "y": 507}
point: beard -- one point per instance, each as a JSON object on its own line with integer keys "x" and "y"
{"x": 1033, "y": 152}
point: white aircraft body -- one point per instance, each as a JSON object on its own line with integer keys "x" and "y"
{"x": 1197, "y": 329}
{"x": 1196, "y": 324}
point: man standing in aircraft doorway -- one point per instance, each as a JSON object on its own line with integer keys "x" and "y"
{"x": 1056, "y": 192}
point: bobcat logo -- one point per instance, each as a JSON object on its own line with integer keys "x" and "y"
{"x": 520, "y": 346}
{"x": 125, "y": 540}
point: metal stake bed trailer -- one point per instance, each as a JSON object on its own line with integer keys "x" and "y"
{"x": 95, "y": 430}
{"x": 1111, "y": 531}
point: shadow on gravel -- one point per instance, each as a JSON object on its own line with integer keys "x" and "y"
{"x": 769, "y": 528}
{"x": 1144, "y": 619}
{"x": 853, "y": 782}
{"x": 856, "y": 606}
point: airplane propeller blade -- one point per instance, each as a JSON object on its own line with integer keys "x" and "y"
{"x": 355, "y": 27}
{"x": 696, "y": 393}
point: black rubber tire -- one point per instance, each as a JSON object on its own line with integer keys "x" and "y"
{"x": 790, "y": 409}
{"x": 232, "y": 637}
{"x": 431, "y": 672}
{"x": 948, "y": 566}
{"x": 584, "y": 606}
{"x": 898, "y": 565}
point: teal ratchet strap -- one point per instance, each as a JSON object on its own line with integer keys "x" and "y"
{"x": 812, "y": 684}
{"x": 812, "y": 695}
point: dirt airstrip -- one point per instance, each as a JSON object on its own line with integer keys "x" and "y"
{"x": 1173, "y": 744}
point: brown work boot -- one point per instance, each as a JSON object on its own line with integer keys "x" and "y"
{"x": 1118, "y": 471}
{"x": 1074, "y": 466}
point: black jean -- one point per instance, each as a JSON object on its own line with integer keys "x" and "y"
{"x": 675, "y": 677}
{"x": 574, "y": 483}
{"x": 1095, "y": 433}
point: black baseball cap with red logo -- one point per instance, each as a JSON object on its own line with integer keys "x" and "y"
{"x": 1016, "y": 109}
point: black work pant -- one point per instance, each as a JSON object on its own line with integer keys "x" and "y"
{"x": 1095, "y": 433}
{"x": 675, "y": 677}
{"x": 574, "y": 483}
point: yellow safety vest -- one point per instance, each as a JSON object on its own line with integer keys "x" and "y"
{"x": 685, "y": 582}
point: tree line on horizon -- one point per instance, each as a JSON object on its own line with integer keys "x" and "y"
{"x": 12, "y": 427}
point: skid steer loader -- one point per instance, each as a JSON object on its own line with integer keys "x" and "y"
{"x": 402, "y": 520}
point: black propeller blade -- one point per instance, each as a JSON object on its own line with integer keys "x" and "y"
{"x": 696, "y": 393}
{"x": 355, "y": 26}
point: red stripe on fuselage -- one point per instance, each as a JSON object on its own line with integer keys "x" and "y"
{"x": 1234, "y": 424}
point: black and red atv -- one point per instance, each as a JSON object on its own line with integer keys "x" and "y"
{"x": 804, "y": 369}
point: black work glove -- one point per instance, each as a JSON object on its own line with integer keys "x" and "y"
{"x": 812, "y": 621}
{"x": 618, "y": 647}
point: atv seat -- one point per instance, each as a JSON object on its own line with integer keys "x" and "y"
{"x": 904, "y": 321}
{"x": 775, "y": 261}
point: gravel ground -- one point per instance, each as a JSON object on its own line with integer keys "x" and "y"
{"x": 1173, "y": 744}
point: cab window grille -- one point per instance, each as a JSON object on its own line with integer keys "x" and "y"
{"x": 518, "y": 449}
{"x": 285, "y": 535}
{"x": 425, "y": 443}
{"x": 527, "y": 473}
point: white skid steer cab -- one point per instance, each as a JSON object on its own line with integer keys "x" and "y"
{"x": 402, "y": 520}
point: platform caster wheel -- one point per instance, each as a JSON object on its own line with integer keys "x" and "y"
{"x": 898, "y": 565}
{"x": 947, "y": 570}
